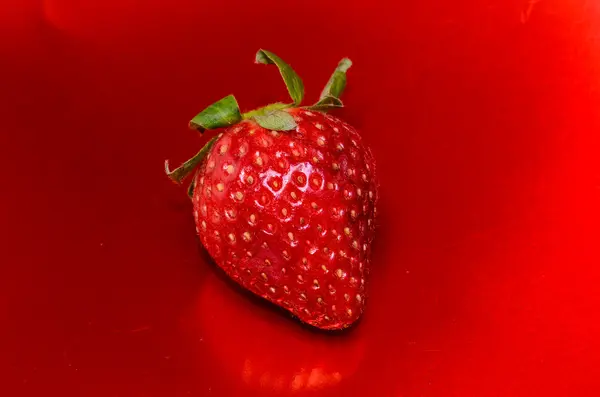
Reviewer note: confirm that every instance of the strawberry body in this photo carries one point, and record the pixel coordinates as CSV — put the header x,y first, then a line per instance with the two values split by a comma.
x,y
291,215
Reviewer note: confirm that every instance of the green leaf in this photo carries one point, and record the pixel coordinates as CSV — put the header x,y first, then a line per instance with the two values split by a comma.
x,y
181,172
192,186
276,120
337,82
223,113
327,103
292,80
264,109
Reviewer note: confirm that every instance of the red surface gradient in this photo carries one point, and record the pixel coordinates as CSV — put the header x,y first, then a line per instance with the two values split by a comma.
x,y
483,116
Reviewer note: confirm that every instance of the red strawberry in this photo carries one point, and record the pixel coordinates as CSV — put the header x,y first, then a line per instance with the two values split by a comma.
x,y
284,202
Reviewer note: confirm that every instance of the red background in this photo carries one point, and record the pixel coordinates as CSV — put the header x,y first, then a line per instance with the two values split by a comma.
x,y
483,117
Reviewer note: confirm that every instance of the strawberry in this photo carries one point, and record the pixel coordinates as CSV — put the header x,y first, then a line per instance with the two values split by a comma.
x,y
285,201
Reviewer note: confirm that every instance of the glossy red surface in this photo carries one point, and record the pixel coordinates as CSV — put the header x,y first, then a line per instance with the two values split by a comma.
x,y
484,120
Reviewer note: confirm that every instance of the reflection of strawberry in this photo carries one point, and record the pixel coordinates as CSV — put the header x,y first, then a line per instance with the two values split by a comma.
x,y
284,201
308,362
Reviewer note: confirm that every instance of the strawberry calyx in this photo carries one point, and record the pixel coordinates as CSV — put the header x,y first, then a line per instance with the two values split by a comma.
x,y
330,96
223,113
293,82
260,111
226,112
179,174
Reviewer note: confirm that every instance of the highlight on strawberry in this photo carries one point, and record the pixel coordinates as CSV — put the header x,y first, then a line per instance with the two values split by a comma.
x,y
285,199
